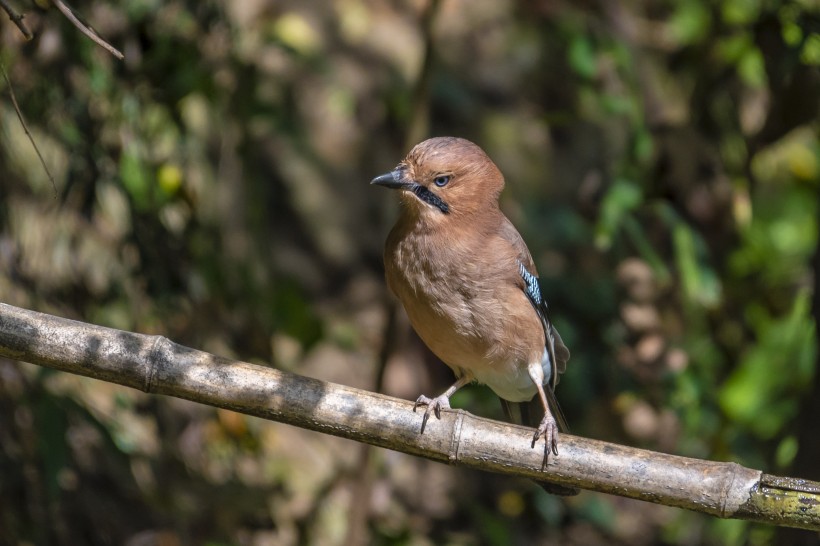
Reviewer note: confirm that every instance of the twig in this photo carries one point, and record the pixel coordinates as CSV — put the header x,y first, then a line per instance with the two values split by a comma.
x,y
25,127
17,19
87,30
156,365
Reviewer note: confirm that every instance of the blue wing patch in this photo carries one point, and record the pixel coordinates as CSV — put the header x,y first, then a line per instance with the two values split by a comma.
x,y
533,290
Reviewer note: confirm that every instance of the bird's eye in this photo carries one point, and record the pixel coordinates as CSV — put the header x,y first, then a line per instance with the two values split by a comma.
x,y
442,180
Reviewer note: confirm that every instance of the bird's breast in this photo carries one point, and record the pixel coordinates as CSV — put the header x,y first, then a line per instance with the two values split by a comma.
x,y
464,309
439,291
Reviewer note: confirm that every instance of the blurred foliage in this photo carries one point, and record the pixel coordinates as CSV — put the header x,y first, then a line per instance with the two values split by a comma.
x,y
663,163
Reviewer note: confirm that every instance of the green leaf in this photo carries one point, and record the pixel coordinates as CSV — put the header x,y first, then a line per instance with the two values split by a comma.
x,y
621,198
581,56
700,283
690,22
740,12
810,55
759,394
751,68
135,179
646,250
732,48
786,451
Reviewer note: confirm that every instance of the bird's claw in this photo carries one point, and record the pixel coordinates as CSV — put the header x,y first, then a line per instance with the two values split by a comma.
x,y
434,405
549,430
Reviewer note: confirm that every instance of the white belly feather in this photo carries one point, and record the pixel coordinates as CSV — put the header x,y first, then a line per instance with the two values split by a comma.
x,y
512,382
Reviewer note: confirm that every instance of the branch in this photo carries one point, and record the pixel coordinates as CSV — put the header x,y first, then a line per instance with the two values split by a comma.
x,y
87,30
17,19
156,365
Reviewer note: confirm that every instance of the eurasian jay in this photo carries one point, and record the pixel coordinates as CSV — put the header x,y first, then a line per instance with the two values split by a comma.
x,y
468,283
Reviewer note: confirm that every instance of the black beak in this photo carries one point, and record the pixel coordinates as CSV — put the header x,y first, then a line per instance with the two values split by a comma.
x,y
390,180
396,181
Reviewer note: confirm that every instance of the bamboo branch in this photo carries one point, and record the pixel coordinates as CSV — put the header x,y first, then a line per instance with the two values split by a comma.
x,y
156,365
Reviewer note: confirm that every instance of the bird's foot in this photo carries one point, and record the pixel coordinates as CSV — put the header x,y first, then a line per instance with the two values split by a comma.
x,y
434,405
549,430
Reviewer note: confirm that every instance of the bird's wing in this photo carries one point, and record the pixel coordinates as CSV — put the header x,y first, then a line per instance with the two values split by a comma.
x,y
558,352
511,235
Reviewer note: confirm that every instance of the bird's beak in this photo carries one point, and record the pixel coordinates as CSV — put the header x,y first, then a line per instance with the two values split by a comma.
x,y
392,180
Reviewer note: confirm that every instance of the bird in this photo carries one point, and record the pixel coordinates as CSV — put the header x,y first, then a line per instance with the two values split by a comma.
x,y
469,286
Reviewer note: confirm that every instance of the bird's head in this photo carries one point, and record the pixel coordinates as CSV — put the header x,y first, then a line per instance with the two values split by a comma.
x,y
445,177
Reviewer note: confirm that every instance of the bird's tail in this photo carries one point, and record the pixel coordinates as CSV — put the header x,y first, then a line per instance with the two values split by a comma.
x,y
529,414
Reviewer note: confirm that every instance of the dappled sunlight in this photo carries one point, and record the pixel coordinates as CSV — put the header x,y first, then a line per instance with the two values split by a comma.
x,y
662,163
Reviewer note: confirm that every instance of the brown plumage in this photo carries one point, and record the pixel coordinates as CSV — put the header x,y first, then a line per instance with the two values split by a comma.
x,y
467,280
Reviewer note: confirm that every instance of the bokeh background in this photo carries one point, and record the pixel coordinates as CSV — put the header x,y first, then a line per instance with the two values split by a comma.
x,y
662,162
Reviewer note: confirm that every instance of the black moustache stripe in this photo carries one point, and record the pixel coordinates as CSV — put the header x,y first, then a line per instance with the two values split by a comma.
x,y
431,198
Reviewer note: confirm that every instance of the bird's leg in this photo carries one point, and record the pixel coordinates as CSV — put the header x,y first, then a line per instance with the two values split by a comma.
x,y
435,405
548,427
